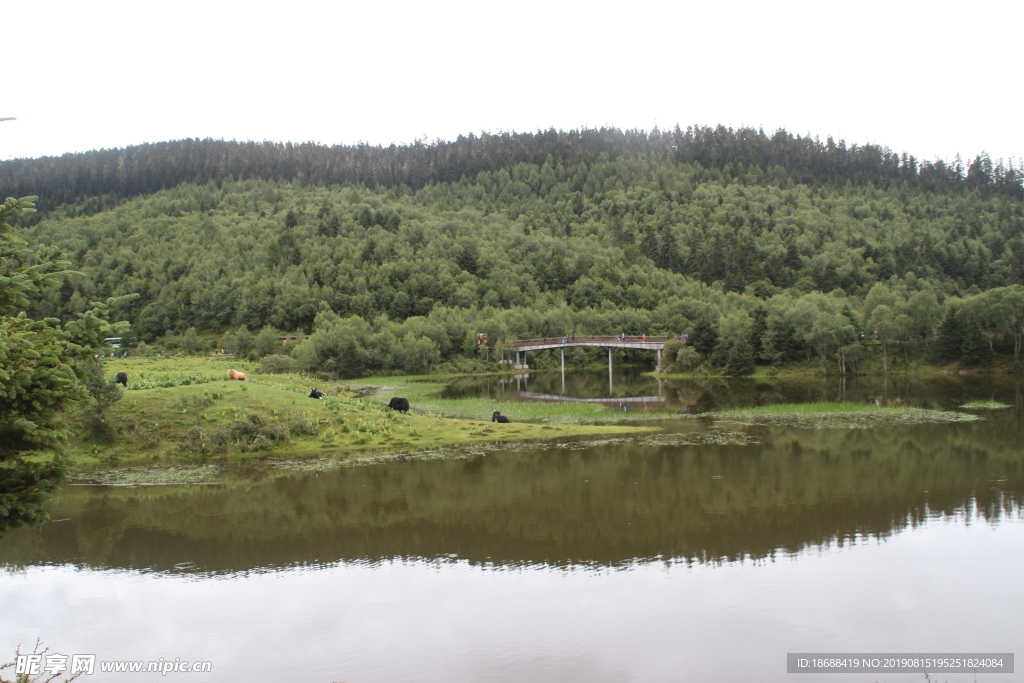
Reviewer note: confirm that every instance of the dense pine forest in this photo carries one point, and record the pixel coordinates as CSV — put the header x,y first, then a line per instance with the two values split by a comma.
x,y
768,248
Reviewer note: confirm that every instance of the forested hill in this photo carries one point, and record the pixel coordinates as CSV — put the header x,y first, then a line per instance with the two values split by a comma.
x,y
98,179
795,247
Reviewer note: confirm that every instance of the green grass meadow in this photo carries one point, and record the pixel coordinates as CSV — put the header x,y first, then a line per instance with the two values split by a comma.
x,y
272,414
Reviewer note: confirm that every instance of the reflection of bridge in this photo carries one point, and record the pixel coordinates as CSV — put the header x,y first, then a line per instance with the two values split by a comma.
x,y
523,392
532,396
655,344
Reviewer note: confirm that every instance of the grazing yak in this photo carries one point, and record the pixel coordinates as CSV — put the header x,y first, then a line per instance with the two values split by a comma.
x,y
235,374
399,404
498,417
315,393
122,379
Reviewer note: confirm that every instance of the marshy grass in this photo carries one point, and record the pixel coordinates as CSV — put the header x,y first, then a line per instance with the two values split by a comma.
x,y
836,415
985,405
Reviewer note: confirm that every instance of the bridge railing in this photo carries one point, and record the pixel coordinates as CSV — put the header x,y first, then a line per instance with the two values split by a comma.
x,y
576,339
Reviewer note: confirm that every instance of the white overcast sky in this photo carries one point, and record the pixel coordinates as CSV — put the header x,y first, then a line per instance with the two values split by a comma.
x,y
932,78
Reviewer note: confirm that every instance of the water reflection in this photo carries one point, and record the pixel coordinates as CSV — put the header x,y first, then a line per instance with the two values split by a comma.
x,y
633,387
705,552
592,504
629,384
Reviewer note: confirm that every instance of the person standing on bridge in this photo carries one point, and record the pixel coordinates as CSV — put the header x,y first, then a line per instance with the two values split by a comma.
x,y
643,337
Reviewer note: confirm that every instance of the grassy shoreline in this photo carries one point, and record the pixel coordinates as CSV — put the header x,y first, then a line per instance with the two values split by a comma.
x,y
872,368
422,391
832,415
272,415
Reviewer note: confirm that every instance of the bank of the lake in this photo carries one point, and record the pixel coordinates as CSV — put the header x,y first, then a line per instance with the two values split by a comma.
x,y
809,370
186,410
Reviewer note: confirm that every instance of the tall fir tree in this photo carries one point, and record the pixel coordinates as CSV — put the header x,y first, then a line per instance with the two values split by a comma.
x,y
704,338
38,364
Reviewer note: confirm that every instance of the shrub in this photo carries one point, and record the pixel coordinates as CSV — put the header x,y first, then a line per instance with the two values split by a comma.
x,y
260,443
304,424
277,364
276,432
220,440
104,393
688,359
247,429
194,437
684,359
100,431
669,353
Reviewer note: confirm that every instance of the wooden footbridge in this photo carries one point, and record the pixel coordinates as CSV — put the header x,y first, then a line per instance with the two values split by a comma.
x,y
655,344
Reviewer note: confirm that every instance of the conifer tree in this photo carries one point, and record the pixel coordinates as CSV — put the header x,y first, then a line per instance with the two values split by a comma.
x,y
740,359
758,330
951,337
704,338
974,350
38,362
668,254
649,245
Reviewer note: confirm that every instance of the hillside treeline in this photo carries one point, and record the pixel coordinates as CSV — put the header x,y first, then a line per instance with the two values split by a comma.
x,y
397,279
98,180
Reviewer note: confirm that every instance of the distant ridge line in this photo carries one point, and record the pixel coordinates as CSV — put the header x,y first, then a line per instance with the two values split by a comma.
x,y
115,174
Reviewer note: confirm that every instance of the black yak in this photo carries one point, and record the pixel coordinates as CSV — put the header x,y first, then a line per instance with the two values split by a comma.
x,y
315,393
498,417
399,404
122,379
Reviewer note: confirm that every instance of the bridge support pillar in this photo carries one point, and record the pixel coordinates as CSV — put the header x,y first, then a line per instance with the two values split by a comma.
x,y
610,372
658,367
563,370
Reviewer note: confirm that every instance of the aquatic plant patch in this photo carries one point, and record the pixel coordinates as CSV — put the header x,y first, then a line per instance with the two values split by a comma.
x,y
985,405
304,465
710,437
835,415
485,448
148,475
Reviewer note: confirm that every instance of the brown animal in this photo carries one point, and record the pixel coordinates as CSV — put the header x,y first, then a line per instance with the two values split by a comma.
x,y
234,374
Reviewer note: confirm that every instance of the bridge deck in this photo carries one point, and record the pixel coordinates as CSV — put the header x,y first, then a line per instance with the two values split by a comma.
x,y
632,342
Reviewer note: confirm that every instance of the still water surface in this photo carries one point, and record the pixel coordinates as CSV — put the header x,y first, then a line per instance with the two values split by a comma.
x,y
639,559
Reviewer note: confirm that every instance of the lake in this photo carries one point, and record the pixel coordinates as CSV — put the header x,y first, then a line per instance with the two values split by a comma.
x,y
705,552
